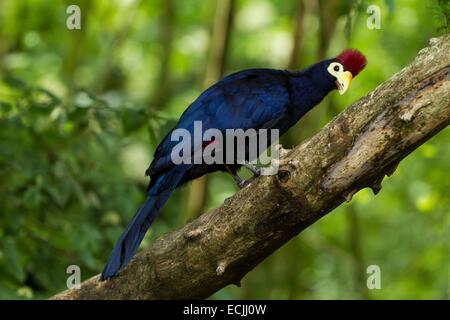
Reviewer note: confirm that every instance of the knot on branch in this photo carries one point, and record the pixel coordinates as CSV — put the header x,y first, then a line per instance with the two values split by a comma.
x,y
283,176
193,234
220,270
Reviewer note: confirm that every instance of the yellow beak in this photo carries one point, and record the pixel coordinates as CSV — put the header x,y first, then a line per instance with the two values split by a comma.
x,y
343,81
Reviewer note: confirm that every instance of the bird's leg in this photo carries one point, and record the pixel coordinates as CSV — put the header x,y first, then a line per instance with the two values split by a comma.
x,y
239,181
253,168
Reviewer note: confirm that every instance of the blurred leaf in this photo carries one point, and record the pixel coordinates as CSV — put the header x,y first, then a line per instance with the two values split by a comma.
x,y
14,82
12,261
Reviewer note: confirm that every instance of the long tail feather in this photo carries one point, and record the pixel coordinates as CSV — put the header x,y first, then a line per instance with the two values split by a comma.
x,y
128,243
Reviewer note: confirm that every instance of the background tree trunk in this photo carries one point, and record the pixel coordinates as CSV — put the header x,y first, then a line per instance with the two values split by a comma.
x,y
166,35
297,36
214,71
356,150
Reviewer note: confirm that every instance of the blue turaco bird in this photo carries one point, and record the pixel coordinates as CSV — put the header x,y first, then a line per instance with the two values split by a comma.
x,y
255,98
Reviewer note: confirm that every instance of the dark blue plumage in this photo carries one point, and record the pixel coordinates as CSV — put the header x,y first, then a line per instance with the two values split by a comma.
x,y
256,98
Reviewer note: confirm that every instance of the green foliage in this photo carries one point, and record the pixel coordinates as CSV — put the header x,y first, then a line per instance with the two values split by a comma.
x,y
80,114
64,200
443,15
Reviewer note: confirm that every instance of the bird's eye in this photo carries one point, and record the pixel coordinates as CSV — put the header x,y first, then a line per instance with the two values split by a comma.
x,y
334,68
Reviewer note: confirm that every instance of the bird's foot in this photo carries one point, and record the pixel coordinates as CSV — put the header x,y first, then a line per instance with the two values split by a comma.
x,y
282,152
243,183
280,162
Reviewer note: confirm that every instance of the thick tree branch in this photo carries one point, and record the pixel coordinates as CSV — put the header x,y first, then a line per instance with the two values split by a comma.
x,y
356,150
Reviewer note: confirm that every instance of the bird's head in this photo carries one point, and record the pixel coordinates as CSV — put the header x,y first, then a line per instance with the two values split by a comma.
x,y
344,67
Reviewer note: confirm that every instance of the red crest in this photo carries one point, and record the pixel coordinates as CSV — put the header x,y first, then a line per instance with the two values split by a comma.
x,y
352,60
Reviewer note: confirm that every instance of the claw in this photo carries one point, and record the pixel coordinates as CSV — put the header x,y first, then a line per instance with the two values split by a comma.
x,y
282,152
241,182
245,183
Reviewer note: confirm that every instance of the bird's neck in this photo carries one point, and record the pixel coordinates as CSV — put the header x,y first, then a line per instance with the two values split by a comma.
x,y
308,88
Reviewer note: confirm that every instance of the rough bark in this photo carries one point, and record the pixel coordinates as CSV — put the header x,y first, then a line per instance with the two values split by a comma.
x,y
356,150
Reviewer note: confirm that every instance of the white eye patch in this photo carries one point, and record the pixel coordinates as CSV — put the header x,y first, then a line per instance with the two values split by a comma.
x,y
335,68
